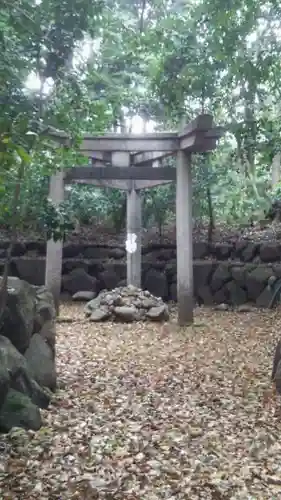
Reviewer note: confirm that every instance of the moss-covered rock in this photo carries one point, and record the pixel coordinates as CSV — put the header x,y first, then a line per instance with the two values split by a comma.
x,y
18,411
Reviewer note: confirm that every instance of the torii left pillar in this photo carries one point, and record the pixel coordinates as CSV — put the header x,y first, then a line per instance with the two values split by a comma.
x,y
54,248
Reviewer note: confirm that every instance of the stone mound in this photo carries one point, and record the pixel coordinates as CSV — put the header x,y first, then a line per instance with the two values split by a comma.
x,y
126,304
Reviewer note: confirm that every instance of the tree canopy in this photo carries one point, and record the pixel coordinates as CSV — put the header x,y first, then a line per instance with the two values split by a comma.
x,y
94,66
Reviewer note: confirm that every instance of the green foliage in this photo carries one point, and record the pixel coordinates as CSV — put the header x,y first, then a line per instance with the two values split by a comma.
x,y
85,203
55,221
89,205
40,38
158,206
116,208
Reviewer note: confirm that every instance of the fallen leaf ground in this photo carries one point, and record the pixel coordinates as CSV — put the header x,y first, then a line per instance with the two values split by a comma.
x,y
149,412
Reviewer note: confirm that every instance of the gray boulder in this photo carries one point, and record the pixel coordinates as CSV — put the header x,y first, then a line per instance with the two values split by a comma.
x,y
10,358
270,252
265,298
200,250
78,280
27,353
93,305
117,253
249,252
18,318
204,295
40,396
109,279
4,383
239,274
156,283
257,279
220,277
18,411
44,308
32,270
202,272
236,293
48,334
40,362
14,374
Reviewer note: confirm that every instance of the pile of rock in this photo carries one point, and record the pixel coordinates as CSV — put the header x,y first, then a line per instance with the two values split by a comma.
x,y
27,355
126,304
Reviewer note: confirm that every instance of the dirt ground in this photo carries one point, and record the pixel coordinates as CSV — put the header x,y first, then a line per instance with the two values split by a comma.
x,y
149,411
100,234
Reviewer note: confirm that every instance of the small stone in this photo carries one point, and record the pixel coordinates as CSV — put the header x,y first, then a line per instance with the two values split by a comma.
x,y
244,308
222,307
148,303
3,467
118,301
19,436
84,295
137,304
154,464
99,315
159,313
126,313
98,458
132,290
195,432
92,305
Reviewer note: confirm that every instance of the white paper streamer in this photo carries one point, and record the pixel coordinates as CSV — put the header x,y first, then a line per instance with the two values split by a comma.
x,y
131,243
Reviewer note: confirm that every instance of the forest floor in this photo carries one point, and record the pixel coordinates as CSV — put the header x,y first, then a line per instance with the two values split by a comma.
x,y
149,411
100,234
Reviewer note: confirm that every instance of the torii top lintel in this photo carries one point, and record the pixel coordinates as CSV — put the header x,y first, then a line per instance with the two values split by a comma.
x,y
200,135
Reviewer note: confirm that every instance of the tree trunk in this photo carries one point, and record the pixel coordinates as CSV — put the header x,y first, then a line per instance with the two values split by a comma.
x,y
276,170
4,284
211,226
249,95
240,159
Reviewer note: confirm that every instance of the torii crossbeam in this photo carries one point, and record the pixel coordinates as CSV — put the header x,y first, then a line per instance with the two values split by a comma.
x,y
132,162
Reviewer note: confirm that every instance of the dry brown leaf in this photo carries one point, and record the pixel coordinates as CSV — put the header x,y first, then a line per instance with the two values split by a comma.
x,y
147,413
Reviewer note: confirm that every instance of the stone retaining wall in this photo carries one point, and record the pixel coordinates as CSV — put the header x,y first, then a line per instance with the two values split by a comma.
x,y
242,250
235,273
214,281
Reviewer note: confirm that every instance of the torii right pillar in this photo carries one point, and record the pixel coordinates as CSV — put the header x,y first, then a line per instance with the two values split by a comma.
x,y
184,239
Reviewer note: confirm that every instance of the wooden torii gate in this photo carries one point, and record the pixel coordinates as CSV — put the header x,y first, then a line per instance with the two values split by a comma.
x,y
134,165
